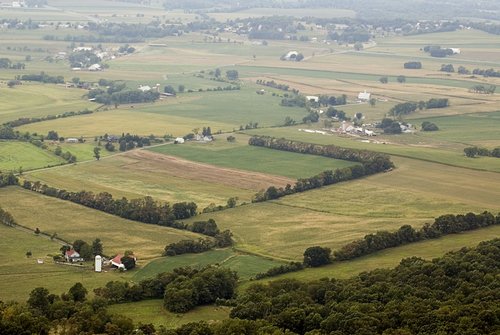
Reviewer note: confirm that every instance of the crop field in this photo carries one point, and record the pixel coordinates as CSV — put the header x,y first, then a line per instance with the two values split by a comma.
x,y
71,222
141,173
243,157
16,155
414,193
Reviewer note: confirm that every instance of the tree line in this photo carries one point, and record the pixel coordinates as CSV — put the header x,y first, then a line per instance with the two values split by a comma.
x,y
28,120
371,163
220,239
476,151
406,108
42,77
146,210
181,290
6,218
273,84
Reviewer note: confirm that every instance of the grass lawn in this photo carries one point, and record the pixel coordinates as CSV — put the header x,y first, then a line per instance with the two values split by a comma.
x,y
71,222
245,157
14,155
152,311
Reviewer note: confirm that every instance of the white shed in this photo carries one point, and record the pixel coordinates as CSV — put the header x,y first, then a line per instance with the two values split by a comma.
x,y
179,140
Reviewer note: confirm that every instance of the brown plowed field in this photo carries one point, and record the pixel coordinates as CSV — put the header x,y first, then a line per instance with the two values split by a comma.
x,y
151,161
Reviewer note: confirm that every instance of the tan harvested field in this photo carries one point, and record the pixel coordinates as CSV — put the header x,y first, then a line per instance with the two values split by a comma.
x,y
144,173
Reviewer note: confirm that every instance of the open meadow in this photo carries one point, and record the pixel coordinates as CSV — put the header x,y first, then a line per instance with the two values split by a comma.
x,y
215,60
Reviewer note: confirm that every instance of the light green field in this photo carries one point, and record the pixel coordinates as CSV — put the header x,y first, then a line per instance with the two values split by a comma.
x,y
414,193
36,100
247,266
152,311
71,222
222,111
14,155
299,13
245,157
411,146
82,151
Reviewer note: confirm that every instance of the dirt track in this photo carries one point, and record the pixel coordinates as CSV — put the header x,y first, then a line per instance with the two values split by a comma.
x,y
186,169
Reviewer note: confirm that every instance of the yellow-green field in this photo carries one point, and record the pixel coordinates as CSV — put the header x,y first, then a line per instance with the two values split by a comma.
x,y
25,156
72,222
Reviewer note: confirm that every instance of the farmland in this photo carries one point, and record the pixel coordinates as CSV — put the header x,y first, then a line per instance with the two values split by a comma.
x,y
217,62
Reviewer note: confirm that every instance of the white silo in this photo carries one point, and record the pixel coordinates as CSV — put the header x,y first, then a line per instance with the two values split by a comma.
x,y
98,263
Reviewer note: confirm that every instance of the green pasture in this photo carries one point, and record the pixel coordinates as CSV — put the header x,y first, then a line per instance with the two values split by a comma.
x,y
71,222
38,100
16,155
131,177
469,129
247,266
410,146
82,151
414,193
390,258
251,158
152,311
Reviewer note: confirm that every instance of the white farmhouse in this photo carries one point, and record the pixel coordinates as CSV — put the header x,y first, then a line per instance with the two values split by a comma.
x,y
364,96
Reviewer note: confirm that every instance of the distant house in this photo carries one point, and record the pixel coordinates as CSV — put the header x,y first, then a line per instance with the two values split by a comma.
x,y
144,88
71,140
95,67
456,51
291,55
312,98
179,140
364,96
72,256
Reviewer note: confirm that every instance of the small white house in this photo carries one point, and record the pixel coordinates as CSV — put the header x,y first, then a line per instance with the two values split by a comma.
x,y
179,140
291,55
456,51
364,96
312,98
71,140
144,88
95,67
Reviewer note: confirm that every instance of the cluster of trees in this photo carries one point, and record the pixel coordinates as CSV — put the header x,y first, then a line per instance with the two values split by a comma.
x,y
126,49
483,89
371,163
486,73
6,218
273,84
221,239
6,63
437,51
455,293
145,210
27,120
42,77
447,68
83,58
327,100
406,108
429,126
281,269
335,113
295,100
443,225
126,142
122,97
413,65
134,32
390,126
7,179
476,151
350,36
312,117
67,156
46,313
250,125
181,290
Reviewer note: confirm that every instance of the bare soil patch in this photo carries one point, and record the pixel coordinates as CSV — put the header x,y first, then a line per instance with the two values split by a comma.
x,y
182,168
